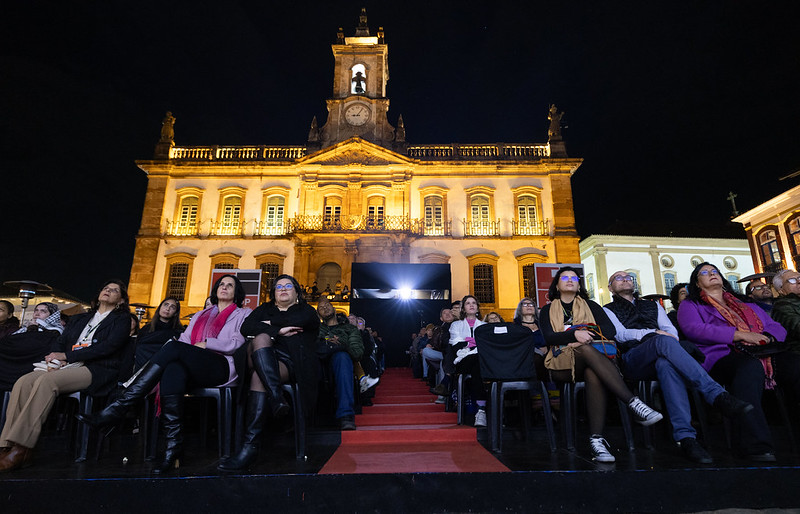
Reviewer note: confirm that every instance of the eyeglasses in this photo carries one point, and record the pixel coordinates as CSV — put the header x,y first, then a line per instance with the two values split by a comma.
x,y
623,278
567,278
759,288
527,304
705,272
793,280
281,287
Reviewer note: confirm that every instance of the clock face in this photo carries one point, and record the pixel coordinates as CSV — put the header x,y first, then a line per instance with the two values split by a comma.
x,y
357,114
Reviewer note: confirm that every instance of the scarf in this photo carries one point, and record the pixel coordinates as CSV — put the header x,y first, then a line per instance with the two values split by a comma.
x,y
581,314
744,319
202,329
51,322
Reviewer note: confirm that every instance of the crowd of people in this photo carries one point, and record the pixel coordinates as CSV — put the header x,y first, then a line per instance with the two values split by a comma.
x,y
714,341
104,353
728,347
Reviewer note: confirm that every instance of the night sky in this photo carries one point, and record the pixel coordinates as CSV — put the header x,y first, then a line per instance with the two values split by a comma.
x,y
670,106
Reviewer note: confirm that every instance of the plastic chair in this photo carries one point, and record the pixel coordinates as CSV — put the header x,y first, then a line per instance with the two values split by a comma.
x,y
293,390
506,355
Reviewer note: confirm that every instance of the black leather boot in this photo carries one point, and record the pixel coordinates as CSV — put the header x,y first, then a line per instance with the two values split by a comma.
x,y
172,419
266,365
257,404
139,388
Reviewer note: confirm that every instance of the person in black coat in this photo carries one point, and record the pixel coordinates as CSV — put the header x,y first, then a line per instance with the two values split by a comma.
x,y
284,348
22,349
85,358
165,325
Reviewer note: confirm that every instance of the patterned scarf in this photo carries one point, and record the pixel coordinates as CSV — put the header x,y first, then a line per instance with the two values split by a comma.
x,y
581,313
744,319
51,322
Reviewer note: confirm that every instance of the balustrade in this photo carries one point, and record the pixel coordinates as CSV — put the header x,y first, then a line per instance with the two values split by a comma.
x,y
482,228
477,152
530,228
237,153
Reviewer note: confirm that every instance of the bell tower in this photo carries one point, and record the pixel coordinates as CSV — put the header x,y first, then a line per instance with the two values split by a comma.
x,y
358,106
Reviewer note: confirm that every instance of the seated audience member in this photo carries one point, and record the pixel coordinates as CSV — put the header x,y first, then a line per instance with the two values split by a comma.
x,y
678,293
433,351
422,343
366,370
462,339
84,358
8,322
284,347
761,293
339,347
786,307
202,357
449,352
714,318
493,317
21,350
650,350
165,325
525,315
380,351
567,328
442,335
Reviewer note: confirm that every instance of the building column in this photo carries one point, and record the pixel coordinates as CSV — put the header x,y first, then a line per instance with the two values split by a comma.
x,y
654,255
601,268
145,255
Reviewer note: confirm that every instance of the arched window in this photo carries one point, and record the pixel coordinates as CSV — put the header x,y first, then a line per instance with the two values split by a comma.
x,y
669,281
590,285
733,279
434,216
793,229
358,81
273,216
768,242
187,216
231,215
483,283
177,280
328,275
333,212
528,280
480,222
270,271
375,218
526,213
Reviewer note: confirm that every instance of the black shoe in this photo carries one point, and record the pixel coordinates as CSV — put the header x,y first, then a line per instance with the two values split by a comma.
x,y
439,390
694,452
256,414
347,423
172,419
762,457
115,412
731,406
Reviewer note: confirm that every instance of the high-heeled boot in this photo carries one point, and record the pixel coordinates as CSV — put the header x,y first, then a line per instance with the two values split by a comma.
x,y
266,365
257,402
172,419
139,388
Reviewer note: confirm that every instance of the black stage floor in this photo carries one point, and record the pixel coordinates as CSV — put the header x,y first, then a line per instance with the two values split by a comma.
x,y
658,480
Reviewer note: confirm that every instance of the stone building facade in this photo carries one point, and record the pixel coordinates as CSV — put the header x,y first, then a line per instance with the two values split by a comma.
x,y
356,191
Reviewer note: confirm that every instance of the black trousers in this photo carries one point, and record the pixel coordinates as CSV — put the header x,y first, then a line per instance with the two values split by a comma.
x,y
744,376
186,367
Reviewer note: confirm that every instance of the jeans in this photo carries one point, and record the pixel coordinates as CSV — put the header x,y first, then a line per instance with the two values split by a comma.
x,y
431,357
663,357
342,368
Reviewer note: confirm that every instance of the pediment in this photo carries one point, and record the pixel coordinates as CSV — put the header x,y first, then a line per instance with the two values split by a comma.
x,y
356,151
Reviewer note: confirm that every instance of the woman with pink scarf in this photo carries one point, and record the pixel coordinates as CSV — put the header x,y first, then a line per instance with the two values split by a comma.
x,y
202,357
715,319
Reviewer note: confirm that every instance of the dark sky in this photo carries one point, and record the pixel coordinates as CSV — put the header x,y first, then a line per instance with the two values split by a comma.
x,y
671,104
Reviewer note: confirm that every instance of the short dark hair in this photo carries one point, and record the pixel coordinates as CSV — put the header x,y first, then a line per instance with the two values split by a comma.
x,y
9,306
238,292
553,292
675,293
300,293
123,291
457,302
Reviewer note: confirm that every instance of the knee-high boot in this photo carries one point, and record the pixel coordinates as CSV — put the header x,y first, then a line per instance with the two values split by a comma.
x,y
266,366
144,383
172,416
256,412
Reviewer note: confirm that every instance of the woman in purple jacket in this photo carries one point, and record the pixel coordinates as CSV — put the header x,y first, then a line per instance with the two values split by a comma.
x,y
714,318
202,357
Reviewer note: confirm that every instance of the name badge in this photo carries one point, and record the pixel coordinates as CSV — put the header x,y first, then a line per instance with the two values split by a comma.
x,y
501,330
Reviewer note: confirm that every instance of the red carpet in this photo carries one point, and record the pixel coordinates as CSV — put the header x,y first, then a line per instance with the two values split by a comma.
x,y
405,432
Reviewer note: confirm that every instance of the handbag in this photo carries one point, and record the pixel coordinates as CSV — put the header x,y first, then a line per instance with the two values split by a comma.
x,y
759,351
605,346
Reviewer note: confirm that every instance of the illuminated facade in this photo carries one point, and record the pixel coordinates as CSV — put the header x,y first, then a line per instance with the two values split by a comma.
x,y
773,231
355,192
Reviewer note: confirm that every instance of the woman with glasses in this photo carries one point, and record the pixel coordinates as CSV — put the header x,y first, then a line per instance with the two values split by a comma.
x,y
201,357
715,319
786,309
284,347
525,315
86,357
571,322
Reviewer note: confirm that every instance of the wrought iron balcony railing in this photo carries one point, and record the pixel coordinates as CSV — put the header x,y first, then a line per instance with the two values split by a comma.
x,y
481,228
182,229
530,228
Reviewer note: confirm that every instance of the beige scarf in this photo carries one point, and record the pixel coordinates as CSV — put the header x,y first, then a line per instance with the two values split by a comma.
x,y
563,357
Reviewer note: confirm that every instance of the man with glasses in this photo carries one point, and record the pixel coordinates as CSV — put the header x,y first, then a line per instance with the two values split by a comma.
x,y
649,348
761,293
786,309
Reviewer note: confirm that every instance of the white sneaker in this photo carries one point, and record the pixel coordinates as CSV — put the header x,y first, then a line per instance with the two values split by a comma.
x,y
440,400
642,413
366,382
601,452
480,418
